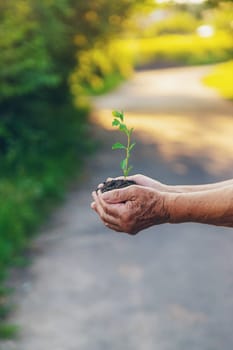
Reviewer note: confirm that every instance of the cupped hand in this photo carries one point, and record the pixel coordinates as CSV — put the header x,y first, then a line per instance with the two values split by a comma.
x,y
131,209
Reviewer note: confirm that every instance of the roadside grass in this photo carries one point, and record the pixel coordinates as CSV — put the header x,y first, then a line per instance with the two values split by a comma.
x,y
35,172
9,331
221,79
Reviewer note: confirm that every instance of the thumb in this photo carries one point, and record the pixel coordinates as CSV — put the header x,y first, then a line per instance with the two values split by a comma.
x,y
117,196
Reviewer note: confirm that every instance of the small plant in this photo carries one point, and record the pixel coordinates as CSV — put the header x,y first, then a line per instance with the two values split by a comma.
x,y
119,121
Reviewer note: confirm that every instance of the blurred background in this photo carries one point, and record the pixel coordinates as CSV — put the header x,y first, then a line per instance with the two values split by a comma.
x,y
64,65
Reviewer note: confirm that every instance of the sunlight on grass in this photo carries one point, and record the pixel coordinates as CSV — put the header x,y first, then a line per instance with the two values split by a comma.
x,y
221,78
209,141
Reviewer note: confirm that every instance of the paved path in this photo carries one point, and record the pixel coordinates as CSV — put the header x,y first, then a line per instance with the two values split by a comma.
x,y
168,288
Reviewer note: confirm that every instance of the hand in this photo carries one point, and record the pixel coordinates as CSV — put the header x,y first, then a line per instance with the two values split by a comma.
x,y
131,209
143,180
146,181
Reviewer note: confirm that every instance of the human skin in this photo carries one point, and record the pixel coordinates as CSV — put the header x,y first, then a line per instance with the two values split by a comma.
x,y
150,202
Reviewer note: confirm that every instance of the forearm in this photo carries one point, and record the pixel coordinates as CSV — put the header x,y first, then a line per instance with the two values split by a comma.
x,y
210,207
198,188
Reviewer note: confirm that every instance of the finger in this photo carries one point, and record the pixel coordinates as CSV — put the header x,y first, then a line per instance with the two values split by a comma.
x,y
120,195
100,185
103,211
109,179
93,205
115,228
112,210
115,178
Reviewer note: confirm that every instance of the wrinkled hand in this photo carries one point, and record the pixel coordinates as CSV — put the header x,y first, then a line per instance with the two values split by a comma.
x,y
131,209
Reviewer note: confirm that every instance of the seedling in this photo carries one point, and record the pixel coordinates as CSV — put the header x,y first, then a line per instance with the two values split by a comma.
x,y
119,121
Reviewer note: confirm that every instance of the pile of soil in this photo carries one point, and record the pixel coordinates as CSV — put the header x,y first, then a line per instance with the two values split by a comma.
x,y
116,184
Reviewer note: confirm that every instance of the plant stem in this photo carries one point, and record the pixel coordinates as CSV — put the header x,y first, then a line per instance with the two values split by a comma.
x,y
127,155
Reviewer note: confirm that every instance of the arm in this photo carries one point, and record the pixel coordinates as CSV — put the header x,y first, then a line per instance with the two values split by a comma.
x,y
135,208
213,206
143,180
198,188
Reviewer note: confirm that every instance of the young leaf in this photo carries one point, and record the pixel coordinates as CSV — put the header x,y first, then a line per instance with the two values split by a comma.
x,y
132,146
123,128
123,164
118,145
115,122
131,131
119,115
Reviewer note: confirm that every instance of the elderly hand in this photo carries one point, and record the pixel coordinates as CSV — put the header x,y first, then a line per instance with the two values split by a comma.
x,y
131,209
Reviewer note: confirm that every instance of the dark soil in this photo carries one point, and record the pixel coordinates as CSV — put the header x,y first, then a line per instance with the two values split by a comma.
x,y
116,184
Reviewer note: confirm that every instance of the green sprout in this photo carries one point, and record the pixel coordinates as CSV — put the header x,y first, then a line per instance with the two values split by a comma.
x,y
118,121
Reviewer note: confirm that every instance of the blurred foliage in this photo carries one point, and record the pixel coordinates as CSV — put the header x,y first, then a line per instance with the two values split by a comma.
x,y
102,68
174,22
221,17
221,79
53,52
8,331
40,39
25,64
216,3
181,49
185,34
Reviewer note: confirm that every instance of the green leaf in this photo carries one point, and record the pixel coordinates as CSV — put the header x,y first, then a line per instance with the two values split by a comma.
x,y
119,115
131,131
123,128
123,164
115,122
118,145
132,146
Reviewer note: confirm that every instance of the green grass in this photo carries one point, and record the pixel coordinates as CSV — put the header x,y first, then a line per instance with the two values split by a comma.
x,y
8,331
221,79
42,154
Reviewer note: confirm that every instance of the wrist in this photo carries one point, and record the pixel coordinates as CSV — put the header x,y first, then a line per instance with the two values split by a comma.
x,y
161,207
176,207
186,207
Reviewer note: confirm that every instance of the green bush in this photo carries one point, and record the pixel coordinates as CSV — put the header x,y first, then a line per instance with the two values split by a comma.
x,y
39,156
100,69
